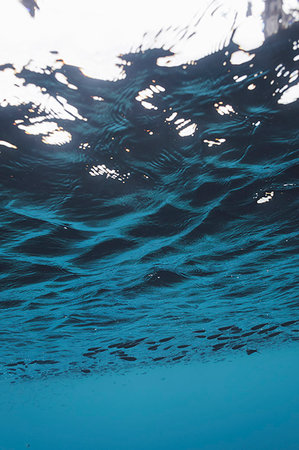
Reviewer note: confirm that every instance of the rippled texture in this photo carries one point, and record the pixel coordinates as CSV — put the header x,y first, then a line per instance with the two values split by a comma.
x,y
133,241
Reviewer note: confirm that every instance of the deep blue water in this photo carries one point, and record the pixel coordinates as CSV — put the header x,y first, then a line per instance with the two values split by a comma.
x,y
134,245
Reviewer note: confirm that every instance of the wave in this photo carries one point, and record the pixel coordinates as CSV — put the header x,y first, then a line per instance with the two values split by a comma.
x,y
153,218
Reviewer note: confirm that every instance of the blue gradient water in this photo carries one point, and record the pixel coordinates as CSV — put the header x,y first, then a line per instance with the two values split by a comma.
x,y
245,403
164,232
183,239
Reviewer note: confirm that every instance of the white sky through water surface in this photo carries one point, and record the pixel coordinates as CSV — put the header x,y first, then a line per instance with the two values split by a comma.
x,y
92,34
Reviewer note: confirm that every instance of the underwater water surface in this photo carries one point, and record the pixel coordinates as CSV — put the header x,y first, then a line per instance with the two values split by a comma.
x,y
150,219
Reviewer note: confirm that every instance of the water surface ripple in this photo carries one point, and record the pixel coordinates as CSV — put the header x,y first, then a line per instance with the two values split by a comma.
x,y
160,222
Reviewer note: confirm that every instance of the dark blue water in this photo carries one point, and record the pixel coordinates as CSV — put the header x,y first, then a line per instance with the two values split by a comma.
x,y
129,242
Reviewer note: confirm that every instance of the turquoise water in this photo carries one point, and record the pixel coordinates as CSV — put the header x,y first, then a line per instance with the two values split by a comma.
x,y
136,245
244,403
149,237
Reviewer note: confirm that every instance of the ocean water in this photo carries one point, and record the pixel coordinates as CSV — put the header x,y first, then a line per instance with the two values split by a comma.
x,y
148,227
152,219
241,404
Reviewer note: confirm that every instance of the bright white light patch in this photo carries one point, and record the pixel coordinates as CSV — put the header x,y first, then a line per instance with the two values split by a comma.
x,y
216,142
182,123
239,79
290,95
39,128
268,196
224,109
249,34
149,93
63,79
57,137
188,131
177,122
148,105
293,76
7,144
102,169
89,36
240,57
173,116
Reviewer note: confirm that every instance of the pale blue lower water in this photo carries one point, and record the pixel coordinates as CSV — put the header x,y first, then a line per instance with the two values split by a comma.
x,y
246,403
